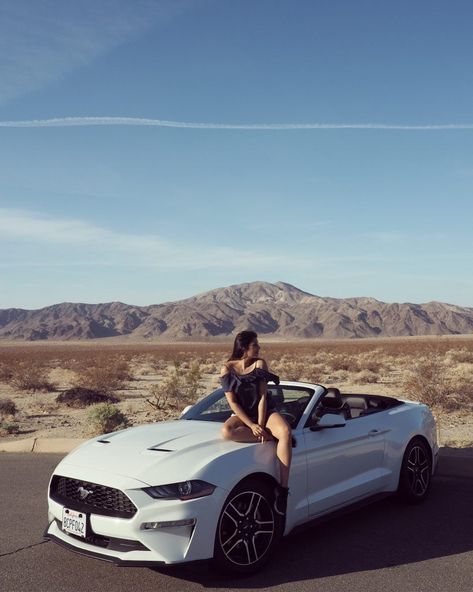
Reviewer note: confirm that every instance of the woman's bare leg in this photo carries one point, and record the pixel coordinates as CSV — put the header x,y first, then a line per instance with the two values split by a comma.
x,y
281,430
234,429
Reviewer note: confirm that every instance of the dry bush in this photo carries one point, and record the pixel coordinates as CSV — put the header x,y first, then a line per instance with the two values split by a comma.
x,y
461,380
374,361
159,395
106,417
365,377
210,367
122,369
288,369
158,365
314,373
79,397
31,376
459,356
7,408
427,381
104,377
342,362
336,377
178,389
5,372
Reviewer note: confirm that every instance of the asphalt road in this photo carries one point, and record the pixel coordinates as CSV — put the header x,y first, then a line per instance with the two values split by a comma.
x,y
384,547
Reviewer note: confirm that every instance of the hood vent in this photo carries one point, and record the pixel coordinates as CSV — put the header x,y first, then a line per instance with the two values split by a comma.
x,y
157,449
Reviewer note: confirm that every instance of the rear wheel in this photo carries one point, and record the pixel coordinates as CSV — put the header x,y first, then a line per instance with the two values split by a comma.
x,y
416,472
247,530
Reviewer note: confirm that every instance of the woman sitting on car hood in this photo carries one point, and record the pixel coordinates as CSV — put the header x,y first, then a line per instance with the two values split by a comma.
x,y
244,378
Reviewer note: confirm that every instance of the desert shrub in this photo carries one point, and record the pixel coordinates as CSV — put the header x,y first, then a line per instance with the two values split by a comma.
x,y
210,367
7,407
371,361
462,355
122,369
461,380
80,397
289,369
106,417
365,377
31,376
158,396
428,382
342,362
192,381
104,377
8,428
158,365
179,388
5,372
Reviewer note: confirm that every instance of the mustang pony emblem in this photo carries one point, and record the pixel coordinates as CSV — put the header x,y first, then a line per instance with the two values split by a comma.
x,y
83,492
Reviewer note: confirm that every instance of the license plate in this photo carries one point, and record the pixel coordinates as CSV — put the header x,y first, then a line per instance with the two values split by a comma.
x,y
74,522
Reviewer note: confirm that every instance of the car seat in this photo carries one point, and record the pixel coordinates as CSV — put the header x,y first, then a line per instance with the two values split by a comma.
x,y
332,402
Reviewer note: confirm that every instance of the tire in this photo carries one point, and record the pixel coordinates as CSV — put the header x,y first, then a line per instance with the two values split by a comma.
x,y
416,472
247,530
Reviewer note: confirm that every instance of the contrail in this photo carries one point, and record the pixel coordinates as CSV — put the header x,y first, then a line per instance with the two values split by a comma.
x,y
137,121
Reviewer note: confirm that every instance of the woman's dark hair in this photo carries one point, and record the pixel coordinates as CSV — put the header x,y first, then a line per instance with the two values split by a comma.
x,y
242,343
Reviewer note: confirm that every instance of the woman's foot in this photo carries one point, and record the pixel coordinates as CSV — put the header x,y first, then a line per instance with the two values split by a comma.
x,y
280,500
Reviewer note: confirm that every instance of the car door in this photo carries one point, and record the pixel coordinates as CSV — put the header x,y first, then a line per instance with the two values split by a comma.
x,y
344,464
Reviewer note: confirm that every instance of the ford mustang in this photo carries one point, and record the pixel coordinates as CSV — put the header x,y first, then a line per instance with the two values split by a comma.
x,y
175,491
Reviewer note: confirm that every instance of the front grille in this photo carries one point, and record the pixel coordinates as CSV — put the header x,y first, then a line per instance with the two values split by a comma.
x,y
103,500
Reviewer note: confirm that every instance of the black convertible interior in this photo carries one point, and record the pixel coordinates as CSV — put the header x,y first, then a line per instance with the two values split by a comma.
x,y
291,402
352,406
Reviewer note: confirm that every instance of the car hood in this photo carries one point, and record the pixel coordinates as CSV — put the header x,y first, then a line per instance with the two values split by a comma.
x,y
165,452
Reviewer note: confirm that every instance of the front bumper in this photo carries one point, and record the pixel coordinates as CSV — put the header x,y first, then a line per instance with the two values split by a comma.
x,y
123,541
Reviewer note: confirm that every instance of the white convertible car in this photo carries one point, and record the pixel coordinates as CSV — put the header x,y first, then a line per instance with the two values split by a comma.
x,y
175,492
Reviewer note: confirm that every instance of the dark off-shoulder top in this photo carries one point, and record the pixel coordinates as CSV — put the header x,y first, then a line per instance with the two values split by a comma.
x,y
246,389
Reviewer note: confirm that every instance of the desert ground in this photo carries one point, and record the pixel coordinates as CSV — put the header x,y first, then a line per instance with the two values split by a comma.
x,y
118,383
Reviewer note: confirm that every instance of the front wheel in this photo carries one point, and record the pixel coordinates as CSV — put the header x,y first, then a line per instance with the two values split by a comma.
x,y
416,472
247,529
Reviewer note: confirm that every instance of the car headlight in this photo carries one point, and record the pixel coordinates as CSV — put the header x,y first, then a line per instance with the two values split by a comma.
x,y
184,491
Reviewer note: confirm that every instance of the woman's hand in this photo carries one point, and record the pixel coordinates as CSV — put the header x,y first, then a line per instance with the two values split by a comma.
x,y
260,433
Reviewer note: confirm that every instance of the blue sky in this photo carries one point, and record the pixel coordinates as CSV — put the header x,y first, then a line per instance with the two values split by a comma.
x,y
146,214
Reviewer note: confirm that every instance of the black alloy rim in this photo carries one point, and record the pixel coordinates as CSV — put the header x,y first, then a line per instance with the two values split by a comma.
x,y
246,528
418,470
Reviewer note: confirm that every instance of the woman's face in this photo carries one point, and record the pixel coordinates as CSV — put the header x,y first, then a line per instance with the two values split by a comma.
x,y
253,349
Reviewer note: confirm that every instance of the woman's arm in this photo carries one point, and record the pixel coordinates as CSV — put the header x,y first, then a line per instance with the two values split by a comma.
x,y
262,406
257,430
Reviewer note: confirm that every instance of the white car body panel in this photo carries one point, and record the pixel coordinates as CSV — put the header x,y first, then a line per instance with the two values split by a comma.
x,y
331,468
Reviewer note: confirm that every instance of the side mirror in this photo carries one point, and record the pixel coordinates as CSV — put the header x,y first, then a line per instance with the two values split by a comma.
x,y
185,410
329,420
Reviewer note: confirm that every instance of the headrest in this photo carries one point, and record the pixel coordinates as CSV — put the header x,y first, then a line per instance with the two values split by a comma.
x,y
332,400
277,395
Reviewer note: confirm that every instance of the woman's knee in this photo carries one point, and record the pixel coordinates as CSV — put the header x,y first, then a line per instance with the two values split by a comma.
x,y
227,432
283,432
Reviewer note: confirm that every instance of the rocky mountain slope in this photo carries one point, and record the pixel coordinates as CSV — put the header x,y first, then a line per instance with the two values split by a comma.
x,y
276,309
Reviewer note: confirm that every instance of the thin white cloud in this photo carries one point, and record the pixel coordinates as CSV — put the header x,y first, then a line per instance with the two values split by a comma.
x,y
108,247
139,121
41,42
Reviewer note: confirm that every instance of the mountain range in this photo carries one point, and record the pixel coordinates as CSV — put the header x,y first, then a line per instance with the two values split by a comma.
x,y
280,310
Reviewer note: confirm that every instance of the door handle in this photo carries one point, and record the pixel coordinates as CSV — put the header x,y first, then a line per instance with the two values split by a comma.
x,y
373,432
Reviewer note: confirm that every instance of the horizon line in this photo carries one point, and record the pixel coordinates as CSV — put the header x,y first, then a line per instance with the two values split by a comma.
x,y
145,122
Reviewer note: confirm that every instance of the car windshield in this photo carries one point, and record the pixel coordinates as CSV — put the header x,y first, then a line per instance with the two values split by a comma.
x,y
290,401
